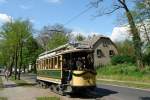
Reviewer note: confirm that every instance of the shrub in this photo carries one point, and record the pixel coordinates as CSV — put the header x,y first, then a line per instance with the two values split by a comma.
x,y
120,59
146,59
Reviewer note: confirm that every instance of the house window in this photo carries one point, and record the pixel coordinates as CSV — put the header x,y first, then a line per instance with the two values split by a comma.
x,y
99,53
105,44
111,53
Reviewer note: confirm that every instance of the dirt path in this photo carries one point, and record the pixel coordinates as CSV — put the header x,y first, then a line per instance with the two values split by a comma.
x,y
13,92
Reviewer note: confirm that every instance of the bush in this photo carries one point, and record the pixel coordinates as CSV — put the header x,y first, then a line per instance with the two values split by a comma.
x,y
120,59
146,59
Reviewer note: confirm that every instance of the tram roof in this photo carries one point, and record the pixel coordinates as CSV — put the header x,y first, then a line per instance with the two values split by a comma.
x,y
53,54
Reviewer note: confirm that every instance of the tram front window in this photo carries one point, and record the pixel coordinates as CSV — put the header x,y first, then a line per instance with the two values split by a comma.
x,y
81,61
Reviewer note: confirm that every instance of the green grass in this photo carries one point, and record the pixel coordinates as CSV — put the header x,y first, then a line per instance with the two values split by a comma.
x,y
124,72
129,74
47,98
20,82
3,98
128,84
1,84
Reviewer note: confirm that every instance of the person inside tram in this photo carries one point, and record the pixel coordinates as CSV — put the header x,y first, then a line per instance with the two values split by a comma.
x,y
79,64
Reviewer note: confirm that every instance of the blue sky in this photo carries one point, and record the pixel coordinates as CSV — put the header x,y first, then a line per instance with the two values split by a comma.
x,y
49,12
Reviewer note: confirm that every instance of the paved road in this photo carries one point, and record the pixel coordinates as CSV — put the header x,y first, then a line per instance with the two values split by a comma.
x,y
108,92
123,93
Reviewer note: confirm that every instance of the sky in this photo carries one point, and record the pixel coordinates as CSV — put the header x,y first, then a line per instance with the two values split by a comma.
x,y
50,12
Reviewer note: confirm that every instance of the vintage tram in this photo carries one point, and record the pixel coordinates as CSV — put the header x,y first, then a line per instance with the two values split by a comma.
x,y
66,71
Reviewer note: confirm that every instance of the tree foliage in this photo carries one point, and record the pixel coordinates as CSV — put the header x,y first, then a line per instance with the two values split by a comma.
x,y
122,4
48,32
18,46
79,37
57,39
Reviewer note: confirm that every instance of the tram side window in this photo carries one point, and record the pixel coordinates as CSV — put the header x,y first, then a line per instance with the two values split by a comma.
x,y
51,62
46,63
43,64
40,64
59,62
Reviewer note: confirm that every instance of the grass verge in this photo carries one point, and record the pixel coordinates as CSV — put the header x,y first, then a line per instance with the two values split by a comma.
x,y
3,98
124,83
47,98
1,84
20,82
124,75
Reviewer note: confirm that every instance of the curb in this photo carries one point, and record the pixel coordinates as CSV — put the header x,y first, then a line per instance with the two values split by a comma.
x,y
125,86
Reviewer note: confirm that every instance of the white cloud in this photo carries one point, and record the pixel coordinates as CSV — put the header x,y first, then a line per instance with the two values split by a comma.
x,y
54,1
78,30
120,34
5,18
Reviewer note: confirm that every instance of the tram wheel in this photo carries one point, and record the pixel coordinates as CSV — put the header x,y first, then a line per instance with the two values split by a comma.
x,y
44,85
52,88
60,90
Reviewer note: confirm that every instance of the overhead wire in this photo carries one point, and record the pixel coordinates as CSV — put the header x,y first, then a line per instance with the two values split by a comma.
x,y
78,15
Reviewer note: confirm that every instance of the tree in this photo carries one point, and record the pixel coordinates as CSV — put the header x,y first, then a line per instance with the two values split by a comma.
x,y
13,35
31,50
48,31
125,48
121,4
79,37
141,15
57,39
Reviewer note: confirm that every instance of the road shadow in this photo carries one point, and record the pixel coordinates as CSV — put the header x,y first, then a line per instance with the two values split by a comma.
x,y
97,93
9,85
19,84
144,98
26,84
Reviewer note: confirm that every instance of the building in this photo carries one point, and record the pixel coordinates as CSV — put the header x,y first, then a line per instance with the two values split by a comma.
x,y
103,48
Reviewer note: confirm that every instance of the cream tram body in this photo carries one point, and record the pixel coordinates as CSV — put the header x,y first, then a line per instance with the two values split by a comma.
x,y
59,70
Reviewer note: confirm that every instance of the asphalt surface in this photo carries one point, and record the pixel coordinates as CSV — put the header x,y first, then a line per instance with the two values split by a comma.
x,y
108,92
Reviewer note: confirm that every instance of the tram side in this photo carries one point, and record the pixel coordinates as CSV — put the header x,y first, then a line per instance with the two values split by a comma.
x,y
49,70
62,73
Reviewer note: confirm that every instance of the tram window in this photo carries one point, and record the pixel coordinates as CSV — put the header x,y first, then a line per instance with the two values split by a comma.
x,y
56,62
49,64
59,61
44,64
40,64
52,62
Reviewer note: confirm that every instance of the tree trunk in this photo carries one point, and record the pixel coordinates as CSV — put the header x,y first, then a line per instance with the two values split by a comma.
x,y
135,36
11,65
24,68
20,64
16,62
